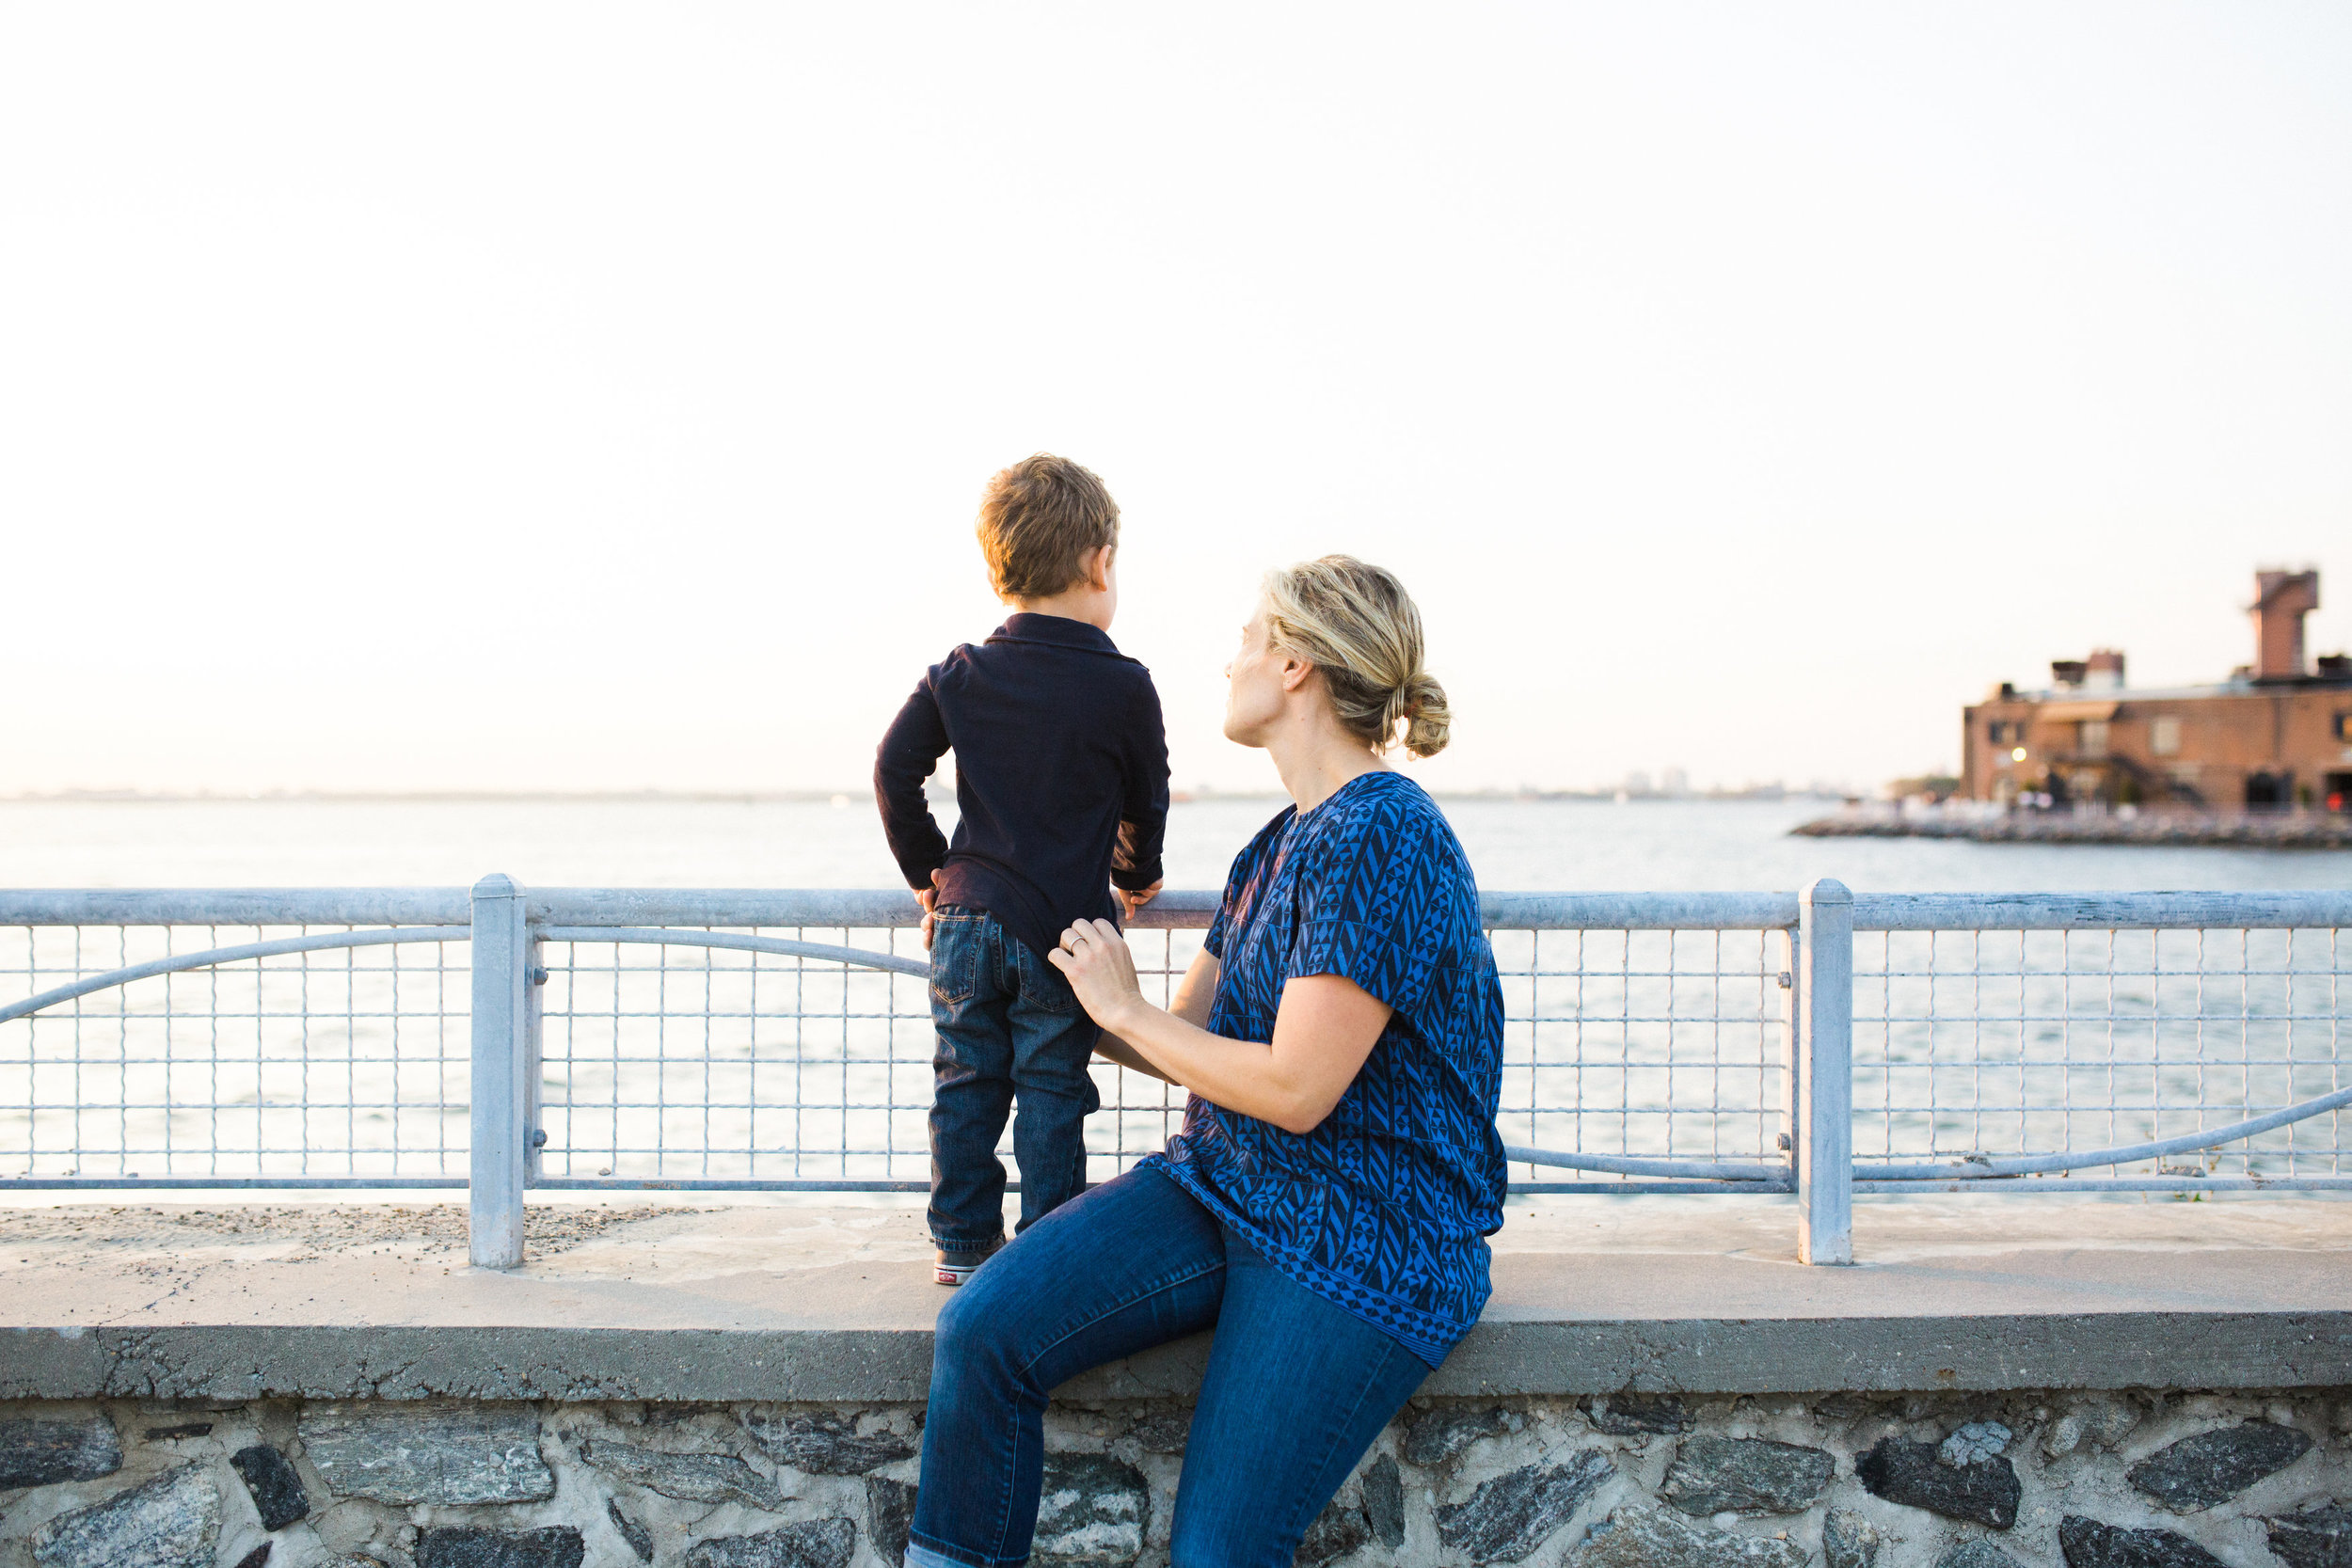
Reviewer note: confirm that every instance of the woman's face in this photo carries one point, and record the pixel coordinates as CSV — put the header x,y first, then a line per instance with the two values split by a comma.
x,y
1254,693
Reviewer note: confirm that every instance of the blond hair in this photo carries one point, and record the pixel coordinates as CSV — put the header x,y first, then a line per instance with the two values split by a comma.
x,y
1356,624
1039,519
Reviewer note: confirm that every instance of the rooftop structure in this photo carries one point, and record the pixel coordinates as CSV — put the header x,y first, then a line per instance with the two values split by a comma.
x,y
2277,735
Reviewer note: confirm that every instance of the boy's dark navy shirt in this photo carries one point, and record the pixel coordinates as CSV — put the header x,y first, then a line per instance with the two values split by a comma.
x,y
1061,777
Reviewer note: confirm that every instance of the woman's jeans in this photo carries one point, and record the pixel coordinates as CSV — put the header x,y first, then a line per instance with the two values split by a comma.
x,y
1007,1022
1296,1388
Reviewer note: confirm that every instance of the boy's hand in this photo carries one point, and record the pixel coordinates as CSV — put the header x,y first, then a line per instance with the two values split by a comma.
x,y
1136,899
926,896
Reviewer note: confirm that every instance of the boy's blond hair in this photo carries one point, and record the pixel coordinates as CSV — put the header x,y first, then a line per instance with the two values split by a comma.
x,y
1039,519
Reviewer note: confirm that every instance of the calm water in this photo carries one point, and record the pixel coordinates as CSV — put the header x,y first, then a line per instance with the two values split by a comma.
x,y
1512,844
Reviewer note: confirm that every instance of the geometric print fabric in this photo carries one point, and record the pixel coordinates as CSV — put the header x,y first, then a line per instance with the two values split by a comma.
x,y
1384,1208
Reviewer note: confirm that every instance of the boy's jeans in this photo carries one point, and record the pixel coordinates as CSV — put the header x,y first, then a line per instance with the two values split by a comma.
x,y
1009,1024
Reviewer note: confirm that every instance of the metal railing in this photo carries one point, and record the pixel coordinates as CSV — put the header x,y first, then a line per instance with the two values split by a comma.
x,y
1818,1043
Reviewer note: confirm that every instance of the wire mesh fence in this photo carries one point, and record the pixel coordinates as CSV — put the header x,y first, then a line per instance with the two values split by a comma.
x,y
1658,1044
683,1062
1970,1043
325,1038
322,1064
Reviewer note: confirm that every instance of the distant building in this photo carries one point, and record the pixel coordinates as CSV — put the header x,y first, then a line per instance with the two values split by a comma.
x,y
2274,736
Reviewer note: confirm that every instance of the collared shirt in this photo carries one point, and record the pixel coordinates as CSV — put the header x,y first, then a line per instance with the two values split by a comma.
x,y
1061,777
1384,1208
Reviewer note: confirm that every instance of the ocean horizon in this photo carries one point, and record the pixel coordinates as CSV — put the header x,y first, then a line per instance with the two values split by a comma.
x,y
834,840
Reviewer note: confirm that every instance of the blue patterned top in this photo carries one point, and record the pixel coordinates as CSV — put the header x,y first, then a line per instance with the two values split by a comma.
x,y
1383,1209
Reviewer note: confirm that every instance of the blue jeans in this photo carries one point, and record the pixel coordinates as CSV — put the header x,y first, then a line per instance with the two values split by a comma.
x,y
1008,1026
1296,1388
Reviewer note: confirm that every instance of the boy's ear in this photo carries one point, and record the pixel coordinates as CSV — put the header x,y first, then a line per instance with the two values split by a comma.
x,y
1099,568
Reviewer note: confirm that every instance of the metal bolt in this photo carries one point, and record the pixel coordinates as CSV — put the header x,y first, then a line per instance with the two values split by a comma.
x,y
1782,1143
538,1137
538,976
1787,980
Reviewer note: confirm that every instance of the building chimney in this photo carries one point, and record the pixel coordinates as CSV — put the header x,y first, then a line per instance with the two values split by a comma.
x,y
2282,599
2104,668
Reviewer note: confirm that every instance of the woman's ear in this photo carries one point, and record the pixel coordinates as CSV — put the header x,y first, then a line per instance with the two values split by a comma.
x,y
1295,671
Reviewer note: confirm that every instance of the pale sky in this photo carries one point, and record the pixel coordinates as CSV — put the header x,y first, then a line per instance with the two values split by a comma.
x,y
588,397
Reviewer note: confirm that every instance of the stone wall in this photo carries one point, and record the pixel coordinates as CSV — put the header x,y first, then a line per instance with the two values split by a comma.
x,y
2135,1479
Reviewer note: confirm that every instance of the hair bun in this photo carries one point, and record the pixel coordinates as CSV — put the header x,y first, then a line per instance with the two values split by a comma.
x,y
1429,722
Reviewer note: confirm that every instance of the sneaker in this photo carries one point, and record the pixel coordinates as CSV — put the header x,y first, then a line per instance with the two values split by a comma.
x,y
954,1268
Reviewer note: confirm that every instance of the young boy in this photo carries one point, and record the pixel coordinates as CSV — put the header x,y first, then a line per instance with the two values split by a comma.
x,y
1061,778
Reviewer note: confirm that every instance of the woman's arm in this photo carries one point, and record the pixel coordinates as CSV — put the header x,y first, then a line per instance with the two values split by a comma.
x,y
1193,993
1324,1028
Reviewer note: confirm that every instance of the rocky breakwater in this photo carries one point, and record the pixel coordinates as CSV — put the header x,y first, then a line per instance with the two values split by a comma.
x,y
2268,831
2140,1480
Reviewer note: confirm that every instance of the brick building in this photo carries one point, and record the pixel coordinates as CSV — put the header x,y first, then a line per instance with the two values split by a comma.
x,y
2276,735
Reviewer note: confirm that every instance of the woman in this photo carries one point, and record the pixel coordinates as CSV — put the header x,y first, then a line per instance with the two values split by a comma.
x,y
1326,1205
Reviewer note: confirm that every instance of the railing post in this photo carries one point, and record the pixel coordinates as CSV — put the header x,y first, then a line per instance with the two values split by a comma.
x,y
1792,1064
500,992
535,1056
1825,1073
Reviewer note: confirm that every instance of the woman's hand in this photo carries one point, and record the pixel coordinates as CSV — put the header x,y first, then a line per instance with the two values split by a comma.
x,y
929,898
1101,969
1323,1028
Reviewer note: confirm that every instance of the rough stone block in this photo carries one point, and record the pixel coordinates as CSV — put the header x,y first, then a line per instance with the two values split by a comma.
x,y
2088,1543
257,1557
1746,1475
1974,1443
171,1522
2102,1424
694,1477
1094,1511
1384,1501
1162,1430
1908,1473
2318,1537
470,1546
1511,1515
1336,1533
634,1531
1653,1537
1631,1414
2213,1467
1850,1541
40,1452
889,1515
811,1544
827,1445
277,1495
1436,1435
484,1454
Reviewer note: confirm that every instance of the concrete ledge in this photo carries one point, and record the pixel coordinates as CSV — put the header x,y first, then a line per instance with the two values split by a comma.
x,y
785,1303
2130,1350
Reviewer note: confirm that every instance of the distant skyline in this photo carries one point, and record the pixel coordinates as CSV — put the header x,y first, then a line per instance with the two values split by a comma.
x,y
525,398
